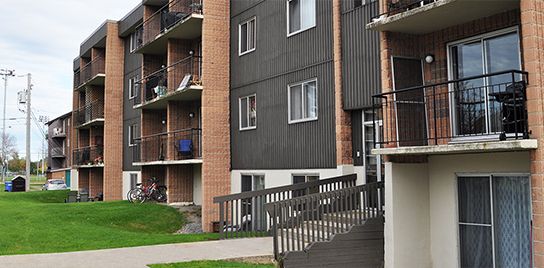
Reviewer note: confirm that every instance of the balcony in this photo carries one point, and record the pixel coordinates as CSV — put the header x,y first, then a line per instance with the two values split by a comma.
x,y
92,74
178,19
58,152
176,147
426,16
90,115
180,81
473,114
86,157
58,133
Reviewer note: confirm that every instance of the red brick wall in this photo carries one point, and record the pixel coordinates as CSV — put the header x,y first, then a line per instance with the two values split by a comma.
x,y
96,181
177,50
180,183
113,115
158,172
178,119
215,108
532,37
83,179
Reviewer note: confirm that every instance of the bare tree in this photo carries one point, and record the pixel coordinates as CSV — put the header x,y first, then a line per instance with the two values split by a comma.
x,y
8,149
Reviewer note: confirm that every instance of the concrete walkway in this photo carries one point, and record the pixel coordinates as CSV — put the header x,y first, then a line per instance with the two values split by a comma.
x,y
141,256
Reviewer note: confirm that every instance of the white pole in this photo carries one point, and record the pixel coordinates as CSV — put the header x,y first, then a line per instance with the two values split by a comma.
x,y
28,113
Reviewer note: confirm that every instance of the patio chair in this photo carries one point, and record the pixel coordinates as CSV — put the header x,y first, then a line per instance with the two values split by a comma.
x,y
185,148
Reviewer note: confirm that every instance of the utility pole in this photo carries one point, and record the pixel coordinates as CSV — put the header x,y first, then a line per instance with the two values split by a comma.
x,y
28,116
5,73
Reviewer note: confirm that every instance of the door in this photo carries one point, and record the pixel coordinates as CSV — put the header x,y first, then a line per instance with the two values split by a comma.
x,y
475,113
68,179
409,105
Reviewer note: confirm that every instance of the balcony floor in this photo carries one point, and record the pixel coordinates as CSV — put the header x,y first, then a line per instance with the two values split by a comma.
x,y
169,162
92,123
89,166
188,28
97,80
188,94
462,148
442,14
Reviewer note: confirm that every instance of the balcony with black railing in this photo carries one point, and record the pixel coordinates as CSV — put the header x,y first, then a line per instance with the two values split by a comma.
x,y
93,73
58,152
178,19
472,110
180,81
91,156
415,16
181,146
90,114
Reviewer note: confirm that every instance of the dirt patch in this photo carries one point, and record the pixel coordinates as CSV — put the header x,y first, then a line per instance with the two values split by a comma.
x,y
193,218
255,260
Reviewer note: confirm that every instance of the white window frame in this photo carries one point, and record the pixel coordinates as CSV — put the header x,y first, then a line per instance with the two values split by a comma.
x,y
240,52
492,225
252,175
294,121
289,34
130,135
132,86
248,112
305,175
133,42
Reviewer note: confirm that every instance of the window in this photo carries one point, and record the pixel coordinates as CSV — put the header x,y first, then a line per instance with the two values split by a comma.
x,y
303,101
301,15
357,3
132,134
252,183
303,178
494,220
374,166
248,112
134,41
474,112
133,86
247,39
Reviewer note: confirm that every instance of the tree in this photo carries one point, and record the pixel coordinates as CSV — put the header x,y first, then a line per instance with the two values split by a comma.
x,y
9,147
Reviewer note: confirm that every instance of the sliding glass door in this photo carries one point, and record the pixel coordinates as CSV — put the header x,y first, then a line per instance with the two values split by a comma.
x,y
494,221
475,113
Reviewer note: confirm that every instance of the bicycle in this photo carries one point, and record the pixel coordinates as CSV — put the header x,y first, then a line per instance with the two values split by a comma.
x,y
143,193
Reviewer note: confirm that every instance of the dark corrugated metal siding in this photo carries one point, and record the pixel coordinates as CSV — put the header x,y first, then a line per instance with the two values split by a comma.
x,y
361,56
278,61
97,37
133,65
127,24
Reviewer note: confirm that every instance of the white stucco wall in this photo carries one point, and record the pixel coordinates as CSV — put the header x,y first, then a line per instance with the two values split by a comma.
x,y
197,185
421,206
282,177
126,181
74,181
407,236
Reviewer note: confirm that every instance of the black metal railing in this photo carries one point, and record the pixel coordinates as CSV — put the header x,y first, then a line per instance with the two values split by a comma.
x,y
169,146
399,6
90,112
165,18
89,71
491,106
57,152
88,156
244,215
300,221
177,76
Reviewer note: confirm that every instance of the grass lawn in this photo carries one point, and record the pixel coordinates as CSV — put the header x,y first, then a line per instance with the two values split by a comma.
x,y
40,222
210,264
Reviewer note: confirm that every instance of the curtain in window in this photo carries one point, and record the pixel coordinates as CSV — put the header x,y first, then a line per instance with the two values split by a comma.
x,y
311,100
243,113
251,34
308,13
475,222
243,37
296,102
512,221
294,15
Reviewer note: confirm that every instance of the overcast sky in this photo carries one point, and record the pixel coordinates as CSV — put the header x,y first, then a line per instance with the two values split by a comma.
x,y
43,38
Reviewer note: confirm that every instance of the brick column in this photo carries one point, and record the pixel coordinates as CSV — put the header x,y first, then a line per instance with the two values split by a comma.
x,y
83,179
96,181
532,34
113,115
215,108
342,118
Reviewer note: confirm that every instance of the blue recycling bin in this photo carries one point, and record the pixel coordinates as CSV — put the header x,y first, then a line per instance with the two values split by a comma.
x,y
8,186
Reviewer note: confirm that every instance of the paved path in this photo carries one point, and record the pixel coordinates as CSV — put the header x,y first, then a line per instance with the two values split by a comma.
x,y
141,256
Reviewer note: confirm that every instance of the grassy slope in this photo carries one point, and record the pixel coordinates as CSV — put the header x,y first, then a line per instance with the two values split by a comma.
x,y
39,222
210,264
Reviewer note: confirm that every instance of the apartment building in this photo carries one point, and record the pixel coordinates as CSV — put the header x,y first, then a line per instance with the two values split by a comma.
x,y
97,119
461,131
59,153
182,97
302,78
